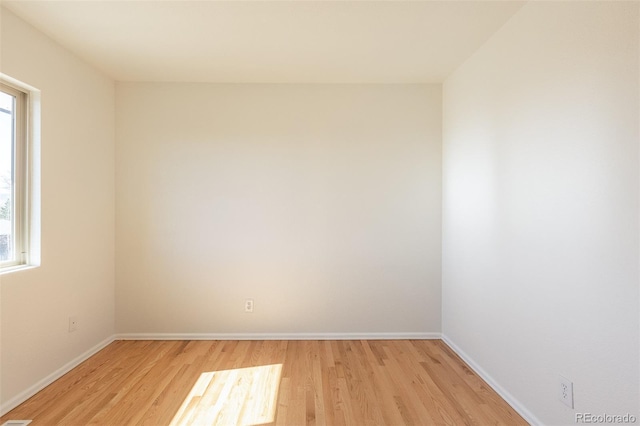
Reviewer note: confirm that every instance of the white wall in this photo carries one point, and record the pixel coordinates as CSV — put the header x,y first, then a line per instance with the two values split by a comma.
x,y
320,202
76,276
540,207
323,204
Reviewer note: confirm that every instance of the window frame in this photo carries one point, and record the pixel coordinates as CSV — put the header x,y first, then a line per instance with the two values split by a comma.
x,y
20,190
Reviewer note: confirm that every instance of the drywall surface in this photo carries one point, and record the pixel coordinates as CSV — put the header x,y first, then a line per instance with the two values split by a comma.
x,y
76,276
319,202
540,207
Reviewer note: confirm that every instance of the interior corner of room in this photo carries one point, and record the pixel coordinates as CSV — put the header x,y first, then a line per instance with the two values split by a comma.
x,y
493,204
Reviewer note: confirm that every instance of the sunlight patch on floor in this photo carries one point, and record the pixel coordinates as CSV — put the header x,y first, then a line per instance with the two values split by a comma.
x,y
241,396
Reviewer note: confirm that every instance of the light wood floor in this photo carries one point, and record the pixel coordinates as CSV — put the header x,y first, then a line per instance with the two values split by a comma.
x,y
373,382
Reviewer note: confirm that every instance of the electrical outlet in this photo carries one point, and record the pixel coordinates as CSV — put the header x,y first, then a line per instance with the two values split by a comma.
x,y
248,305
566,392
73,324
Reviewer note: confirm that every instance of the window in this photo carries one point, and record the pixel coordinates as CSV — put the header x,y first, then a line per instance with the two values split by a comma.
x,y
14,178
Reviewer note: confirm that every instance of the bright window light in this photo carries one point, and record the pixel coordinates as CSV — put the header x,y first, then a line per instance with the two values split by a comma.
x,y
19,175
241,396
11,168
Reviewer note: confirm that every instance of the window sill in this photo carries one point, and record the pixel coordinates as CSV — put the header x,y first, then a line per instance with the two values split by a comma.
x,y
17,268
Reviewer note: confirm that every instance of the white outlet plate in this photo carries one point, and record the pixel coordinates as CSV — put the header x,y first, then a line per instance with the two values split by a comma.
x,y
566,391
248,305
73,324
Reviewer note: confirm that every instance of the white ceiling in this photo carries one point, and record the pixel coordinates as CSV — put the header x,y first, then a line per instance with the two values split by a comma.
x,y
270,41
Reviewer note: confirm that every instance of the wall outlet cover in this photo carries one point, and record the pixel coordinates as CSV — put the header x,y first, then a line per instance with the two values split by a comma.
x,y
566,391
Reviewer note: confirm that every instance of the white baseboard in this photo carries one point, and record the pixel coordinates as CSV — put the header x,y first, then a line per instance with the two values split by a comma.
x,y
277,336
12,403
9,405
510,399
37,387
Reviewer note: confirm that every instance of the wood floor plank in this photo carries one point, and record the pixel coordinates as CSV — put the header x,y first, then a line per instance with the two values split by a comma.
x,y
287,383
411,407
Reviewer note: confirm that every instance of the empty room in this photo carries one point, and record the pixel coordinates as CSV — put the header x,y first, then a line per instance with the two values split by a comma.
x,y
319,212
